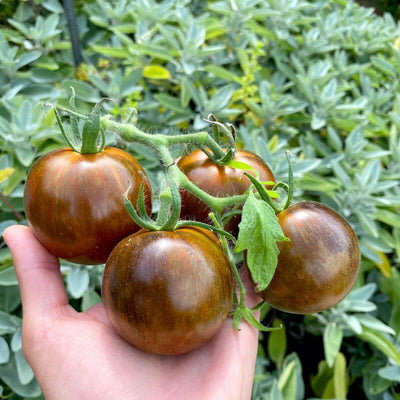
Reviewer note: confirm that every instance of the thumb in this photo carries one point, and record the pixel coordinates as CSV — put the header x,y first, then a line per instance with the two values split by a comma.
x,y
38,272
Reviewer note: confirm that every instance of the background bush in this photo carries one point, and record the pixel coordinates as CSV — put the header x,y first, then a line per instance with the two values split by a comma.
x,y
319,78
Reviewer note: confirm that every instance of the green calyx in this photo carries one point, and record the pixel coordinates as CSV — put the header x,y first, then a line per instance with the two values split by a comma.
x,y
168,216
91,138
265,194
170,207
224,135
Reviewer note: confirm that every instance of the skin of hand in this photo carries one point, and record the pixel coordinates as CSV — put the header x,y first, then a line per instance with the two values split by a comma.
x,y
78,355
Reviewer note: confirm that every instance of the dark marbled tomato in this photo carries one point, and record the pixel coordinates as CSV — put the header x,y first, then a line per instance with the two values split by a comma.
x,y
168,292
318,267
75,202
219,181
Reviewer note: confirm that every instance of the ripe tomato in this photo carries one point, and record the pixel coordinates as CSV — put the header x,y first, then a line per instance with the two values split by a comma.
x,y
168,292
320,264
75,202
219,181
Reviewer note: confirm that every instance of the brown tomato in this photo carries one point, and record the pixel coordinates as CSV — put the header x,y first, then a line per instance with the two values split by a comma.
x,y
168,292
318,267
75,202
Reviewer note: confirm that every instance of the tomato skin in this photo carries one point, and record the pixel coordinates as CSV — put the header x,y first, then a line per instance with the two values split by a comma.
x,y
75,202
219,181
320,264
168,292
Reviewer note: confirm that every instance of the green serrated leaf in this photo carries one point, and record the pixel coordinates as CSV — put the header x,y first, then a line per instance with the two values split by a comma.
x,y
258,234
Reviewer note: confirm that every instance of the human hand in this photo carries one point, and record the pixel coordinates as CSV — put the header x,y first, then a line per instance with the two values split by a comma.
x,y
79,356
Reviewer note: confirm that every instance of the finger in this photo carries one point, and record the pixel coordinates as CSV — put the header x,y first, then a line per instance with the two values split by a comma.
x,y
252,297
38,272
98,313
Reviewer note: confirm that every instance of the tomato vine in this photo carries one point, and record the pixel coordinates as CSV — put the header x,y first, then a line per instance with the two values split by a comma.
x,y
258,201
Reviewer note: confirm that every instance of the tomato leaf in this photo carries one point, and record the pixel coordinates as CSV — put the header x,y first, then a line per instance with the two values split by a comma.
x,y
259,231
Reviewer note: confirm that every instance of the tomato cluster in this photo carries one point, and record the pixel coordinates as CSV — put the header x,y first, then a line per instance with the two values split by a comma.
x,y
169,291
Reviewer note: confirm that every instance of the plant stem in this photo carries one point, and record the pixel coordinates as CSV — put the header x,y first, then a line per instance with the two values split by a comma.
x,y
160,143
231,260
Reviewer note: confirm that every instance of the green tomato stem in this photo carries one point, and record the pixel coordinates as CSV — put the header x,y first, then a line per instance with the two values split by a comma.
x,y
160,143
290,181
156,142
90,134
231,260
174,201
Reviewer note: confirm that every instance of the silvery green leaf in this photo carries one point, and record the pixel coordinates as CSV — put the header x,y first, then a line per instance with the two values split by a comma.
x,y
355,142
341,174
77,282
332,338
302,167
368,223
361,306
53,6
8,323
9,376
388,217
374,323
363,293
379,243
89,299
27,58
16,340
384,66
333,139
25,373
4,351
356,105
319,69
8,277
353,323
370,254
330,88
370,174
318,120
275,393
290,380
391,373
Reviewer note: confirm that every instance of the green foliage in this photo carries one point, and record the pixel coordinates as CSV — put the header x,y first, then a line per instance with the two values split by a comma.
x,y
260,219
319,78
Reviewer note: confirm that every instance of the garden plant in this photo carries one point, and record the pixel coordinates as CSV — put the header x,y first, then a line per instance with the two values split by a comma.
x,y
309,87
